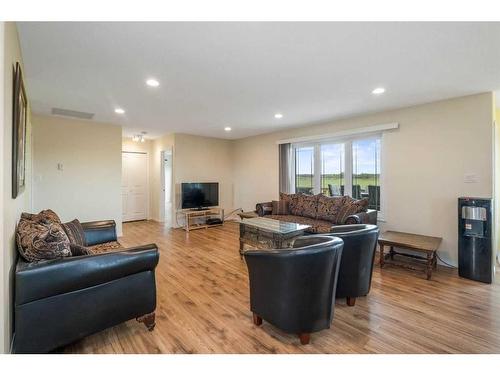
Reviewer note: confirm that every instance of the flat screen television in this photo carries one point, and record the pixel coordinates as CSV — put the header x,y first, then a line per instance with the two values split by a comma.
x,y
199,194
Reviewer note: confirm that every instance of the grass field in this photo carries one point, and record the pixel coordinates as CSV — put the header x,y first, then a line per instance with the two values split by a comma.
x,y
305,181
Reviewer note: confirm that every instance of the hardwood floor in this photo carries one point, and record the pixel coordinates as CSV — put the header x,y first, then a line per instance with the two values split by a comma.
x,y
203,307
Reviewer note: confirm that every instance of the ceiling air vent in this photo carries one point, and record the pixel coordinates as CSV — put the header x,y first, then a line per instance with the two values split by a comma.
x,y
70,113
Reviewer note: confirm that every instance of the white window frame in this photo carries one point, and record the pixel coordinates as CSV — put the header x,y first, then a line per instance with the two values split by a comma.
x,y
348,163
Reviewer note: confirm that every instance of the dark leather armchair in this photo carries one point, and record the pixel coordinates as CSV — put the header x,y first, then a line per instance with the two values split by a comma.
x,y
356,266
63,300
294,289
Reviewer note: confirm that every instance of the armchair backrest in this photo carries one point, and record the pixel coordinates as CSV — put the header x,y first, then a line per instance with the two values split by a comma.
x,y
360,242
374,197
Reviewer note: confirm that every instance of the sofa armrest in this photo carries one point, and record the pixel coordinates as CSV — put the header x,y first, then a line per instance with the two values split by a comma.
x,y
53,277
368,217
264,208
97,232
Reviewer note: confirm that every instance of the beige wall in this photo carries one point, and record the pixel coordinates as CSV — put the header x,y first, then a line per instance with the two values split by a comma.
x,y
12,208
195,158
423,164
89,186
203,159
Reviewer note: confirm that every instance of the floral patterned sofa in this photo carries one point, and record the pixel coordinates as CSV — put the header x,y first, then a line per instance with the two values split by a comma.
x,y
319,211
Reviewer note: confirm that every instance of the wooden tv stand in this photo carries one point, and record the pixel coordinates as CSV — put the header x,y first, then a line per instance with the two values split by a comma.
x,y
194,216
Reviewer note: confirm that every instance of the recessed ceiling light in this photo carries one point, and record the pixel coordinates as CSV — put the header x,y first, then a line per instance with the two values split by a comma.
x,y
152,82
278,115
227,128
120,111
378,91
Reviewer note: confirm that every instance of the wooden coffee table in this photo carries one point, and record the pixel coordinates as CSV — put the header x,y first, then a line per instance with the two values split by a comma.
x,y
264,233
415,242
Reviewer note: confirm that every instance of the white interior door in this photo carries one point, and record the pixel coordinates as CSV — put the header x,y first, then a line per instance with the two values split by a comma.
x,y
134,186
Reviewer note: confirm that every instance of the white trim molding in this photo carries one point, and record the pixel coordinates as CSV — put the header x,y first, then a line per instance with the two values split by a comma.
x,y
343,133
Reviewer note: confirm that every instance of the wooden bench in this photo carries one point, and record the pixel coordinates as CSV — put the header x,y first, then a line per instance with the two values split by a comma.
x,y
415,242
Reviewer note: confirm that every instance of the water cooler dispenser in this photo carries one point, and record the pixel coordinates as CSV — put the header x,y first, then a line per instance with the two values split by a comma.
x,y
475,240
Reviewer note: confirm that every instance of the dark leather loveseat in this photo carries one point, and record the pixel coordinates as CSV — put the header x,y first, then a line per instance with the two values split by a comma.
x,y
62,300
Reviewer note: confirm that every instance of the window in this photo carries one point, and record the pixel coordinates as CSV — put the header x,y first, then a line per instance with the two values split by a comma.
x,y
304,170
332,169
366,171
348,167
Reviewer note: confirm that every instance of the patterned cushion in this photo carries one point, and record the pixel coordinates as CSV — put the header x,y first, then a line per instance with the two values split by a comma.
x,y
75,233
40,239
105,247
351,206
280,208
304,205
47,216
317,226
329,207
288,197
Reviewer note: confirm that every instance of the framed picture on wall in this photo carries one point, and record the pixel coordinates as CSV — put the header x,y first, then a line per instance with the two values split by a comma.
x,y
19,119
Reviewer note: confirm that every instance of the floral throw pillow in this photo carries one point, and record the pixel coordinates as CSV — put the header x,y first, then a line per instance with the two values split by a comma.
x,y
329,207
281,207
41,240
349,207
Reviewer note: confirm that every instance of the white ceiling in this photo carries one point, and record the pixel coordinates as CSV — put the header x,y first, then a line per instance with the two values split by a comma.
x,y
214,75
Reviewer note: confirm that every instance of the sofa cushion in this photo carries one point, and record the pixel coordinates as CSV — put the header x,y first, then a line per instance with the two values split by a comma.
x,y
317,226
304,205
291,199
288,197
105,247
349,207
280,207
75,233
329,207
40,239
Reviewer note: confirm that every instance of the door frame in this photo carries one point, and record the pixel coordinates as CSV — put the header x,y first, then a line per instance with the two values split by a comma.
x,y
147,180
162,214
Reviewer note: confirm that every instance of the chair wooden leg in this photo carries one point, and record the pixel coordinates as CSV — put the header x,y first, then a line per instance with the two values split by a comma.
x,y
148,320
305,338
257,320
351,301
